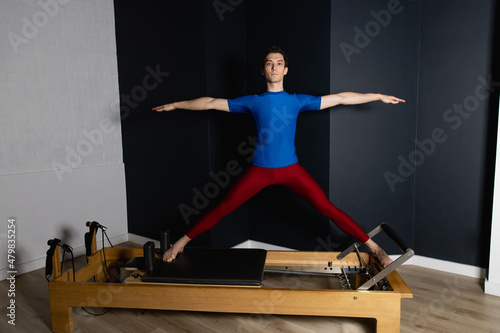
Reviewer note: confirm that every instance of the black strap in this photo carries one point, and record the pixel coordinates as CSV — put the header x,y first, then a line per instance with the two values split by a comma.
x,y
50,253
93,226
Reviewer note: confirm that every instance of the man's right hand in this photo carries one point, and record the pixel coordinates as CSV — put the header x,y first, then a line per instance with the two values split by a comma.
x,y
197,104
165,107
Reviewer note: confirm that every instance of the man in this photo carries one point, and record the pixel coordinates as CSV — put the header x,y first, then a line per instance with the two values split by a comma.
x,y
275,162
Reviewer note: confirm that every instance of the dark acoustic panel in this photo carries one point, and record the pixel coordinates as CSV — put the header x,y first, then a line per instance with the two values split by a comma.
x,y
302,30
455,67
374,49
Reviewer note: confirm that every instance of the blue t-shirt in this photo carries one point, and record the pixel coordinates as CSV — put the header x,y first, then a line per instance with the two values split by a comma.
x,y
275,117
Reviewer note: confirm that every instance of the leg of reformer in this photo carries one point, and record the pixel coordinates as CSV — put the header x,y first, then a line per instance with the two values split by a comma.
x,y
62,318
388,324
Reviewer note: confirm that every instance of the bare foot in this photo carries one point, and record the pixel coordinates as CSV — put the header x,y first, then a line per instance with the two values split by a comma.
x,y
383,258
178,247
172,252
379,253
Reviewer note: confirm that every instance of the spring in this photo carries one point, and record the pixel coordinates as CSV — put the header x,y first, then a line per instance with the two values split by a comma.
x,y
344,280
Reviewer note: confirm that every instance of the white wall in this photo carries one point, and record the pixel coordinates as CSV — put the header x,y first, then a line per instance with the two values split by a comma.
x,y
492,284
60,139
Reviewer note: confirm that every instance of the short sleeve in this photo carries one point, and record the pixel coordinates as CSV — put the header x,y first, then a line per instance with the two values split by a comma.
x,y
309,102
241,104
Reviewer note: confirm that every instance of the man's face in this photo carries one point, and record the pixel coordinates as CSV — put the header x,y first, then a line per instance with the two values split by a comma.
x,y
274,69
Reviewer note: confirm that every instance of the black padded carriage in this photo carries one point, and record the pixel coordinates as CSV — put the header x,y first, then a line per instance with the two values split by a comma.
x,y
238,267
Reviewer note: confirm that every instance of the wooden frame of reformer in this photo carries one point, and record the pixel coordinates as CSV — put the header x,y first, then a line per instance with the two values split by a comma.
x,y
64,293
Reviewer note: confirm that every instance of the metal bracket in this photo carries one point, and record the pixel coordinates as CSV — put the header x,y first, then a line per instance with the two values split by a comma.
x,y
407,254
386,271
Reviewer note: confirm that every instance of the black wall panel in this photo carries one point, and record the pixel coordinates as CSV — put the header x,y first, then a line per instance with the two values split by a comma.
x,y
449,190
165,154
225,40
302,29
375,48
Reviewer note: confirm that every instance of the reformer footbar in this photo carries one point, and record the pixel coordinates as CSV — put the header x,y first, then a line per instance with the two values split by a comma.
x,y
407,254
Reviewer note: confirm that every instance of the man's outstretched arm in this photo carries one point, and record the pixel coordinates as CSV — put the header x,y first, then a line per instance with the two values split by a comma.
x,y
351,98
198,104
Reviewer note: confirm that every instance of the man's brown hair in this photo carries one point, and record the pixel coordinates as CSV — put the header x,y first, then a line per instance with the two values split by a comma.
x,y
273,49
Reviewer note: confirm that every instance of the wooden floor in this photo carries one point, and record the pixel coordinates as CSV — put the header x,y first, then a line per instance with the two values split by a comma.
x,y
442,302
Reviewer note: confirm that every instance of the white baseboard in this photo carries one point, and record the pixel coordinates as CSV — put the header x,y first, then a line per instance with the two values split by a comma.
x,y
251,244
449,266
491,288
142,240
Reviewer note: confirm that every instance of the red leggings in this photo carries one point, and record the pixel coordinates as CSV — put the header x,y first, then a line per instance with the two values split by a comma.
x,y
297,179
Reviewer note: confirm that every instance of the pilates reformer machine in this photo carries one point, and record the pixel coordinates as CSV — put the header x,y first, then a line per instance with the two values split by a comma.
x,y
351,283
